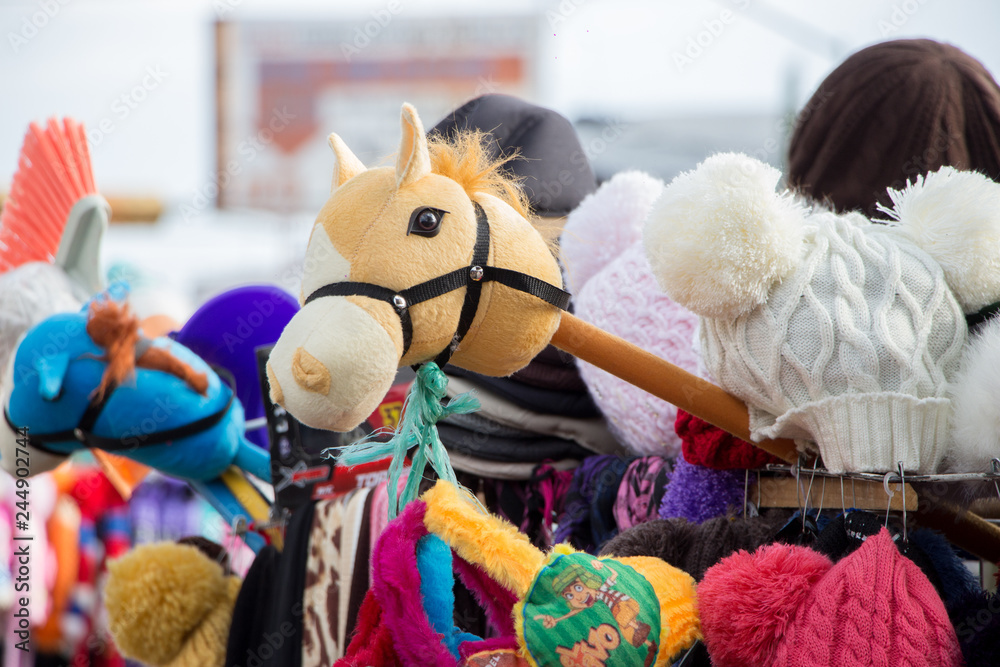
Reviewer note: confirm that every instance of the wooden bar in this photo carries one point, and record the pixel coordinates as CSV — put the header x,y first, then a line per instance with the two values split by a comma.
x,y
663,380
859,494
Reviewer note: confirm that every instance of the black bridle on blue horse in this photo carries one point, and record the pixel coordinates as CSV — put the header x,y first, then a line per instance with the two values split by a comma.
x,y
83,432
471,277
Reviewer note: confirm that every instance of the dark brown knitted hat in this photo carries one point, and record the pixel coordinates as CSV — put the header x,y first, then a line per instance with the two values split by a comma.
x,y
891,112
696,547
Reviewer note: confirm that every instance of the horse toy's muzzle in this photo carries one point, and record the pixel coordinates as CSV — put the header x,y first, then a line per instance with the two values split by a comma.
x,y
334,363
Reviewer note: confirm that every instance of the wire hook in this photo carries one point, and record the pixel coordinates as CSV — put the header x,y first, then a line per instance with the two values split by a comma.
x,y
889,492
843,498
902,486
808,498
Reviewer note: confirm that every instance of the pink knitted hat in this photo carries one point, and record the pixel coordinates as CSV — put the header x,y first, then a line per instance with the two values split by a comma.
x,y
786,606
878,608
619,294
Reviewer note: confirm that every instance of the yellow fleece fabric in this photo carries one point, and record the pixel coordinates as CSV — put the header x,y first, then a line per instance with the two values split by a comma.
x,y
676,591
481,538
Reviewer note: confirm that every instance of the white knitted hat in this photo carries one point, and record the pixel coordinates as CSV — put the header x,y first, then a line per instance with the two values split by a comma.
x,y
832,329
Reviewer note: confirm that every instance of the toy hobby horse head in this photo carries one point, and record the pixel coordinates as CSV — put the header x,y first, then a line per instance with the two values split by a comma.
x,y
423,261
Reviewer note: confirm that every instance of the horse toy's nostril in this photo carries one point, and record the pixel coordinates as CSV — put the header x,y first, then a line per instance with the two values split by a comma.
x,y
310,373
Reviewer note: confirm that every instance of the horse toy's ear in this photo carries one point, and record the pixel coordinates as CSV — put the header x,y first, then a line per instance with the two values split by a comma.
x,y
413,162
347,167
51,372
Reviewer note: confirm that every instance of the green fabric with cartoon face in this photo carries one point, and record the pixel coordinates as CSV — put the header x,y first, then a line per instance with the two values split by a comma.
x,y
581,610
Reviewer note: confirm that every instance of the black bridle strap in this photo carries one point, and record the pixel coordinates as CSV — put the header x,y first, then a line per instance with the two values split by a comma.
x,y
471,277
522,282
83,433
371,291
474,287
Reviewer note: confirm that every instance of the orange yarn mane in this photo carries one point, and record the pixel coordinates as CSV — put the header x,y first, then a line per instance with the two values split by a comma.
x,y
116,329
465,160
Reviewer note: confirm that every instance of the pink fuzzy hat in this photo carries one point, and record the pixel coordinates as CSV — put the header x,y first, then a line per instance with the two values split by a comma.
x,y
615,289
788,606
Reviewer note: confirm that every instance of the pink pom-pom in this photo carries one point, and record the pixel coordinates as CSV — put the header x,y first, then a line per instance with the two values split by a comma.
x,y
747,601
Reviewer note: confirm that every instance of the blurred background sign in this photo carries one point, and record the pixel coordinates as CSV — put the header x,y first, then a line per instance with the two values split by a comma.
x,y
283,86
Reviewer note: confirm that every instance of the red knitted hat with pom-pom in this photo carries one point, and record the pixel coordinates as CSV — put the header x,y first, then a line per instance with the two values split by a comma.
x,y
786,606
747,601
875,607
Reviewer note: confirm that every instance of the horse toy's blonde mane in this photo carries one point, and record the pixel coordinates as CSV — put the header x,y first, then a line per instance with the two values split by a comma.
x,y
466,160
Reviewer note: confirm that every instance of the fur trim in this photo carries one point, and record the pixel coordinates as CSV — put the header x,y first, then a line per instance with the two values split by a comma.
x,y
396,583
371,643
437,581
518,614
159,596
720,236
954,216
605,224
975,394
496,600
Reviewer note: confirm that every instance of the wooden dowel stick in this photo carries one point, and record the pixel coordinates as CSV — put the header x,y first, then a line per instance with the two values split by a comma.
x,y
663,380
962,527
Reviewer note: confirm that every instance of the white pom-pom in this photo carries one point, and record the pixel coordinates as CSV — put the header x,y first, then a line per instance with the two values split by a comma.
x,y
975,396
954,216
720,236
605,224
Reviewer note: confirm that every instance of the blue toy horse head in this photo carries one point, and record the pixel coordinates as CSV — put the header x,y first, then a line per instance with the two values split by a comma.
x,y
152,416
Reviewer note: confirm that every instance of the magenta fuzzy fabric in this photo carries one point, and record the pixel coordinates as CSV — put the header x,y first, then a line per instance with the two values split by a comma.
x,y
396,585
491,596
747,601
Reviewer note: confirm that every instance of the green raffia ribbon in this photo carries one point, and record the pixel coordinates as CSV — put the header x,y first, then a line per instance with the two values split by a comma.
x,y
422,410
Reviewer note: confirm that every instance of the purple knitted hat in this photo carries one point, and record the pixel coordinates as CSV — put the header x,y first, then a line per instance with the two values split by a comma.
x,y
698,494
620,295
575,521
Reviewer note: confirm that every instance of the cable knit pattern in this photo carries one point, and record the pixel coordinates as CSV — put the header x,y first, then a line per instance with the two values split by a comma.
x,y
854,350
875,608
616,291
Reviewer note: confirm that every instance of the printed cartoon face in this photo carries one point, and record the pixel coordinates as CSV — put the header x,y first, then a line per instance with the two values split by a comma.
x,y
579,595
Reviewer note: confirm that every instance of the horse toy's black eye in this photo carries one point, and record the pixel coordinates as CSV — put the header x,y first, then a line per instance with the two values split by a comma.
x,y
426,221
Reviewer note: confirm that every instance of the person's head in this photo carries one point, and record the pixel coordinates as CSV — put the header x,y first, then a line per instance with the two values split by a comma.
x,y
892,112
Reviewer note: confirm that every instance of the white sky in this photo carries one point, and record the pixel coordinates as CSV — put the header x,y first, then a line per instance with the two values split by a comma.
x,y
609,57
